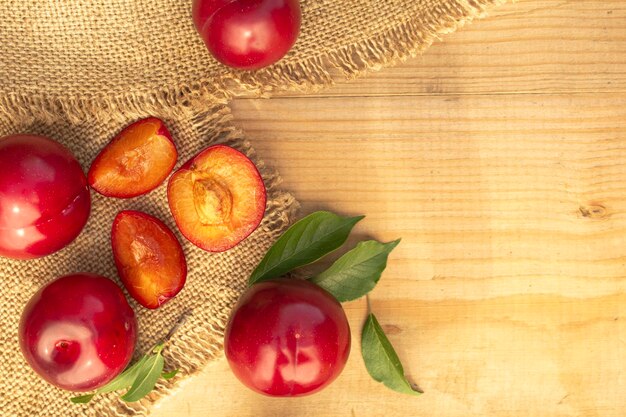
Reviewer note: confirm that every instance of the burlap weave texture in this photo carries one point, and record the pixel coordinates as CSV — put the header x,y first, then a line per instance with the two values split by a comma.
x,y
80,70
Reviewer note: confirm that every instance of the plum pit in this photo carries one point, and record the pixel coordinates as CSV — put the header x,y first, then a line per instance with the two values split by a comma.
x,y
213,201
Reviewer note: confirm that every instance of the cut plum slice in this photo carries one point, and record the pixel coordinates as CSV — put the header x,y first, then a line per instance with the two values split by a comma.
x,y
149,258
134,162
217,198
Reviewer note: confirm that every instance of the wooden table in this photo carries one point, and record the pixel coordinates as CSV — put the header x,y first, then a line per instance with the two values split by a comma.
x,y
500,158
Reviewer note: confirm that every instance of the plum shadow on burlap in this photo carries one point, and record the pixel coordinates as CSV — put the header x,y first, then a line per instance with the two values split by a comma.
x,y
80,70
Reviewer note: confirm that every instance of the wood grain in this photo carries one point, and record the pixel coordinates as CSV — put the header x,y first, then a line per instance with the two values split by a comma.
x,y
533,46
500,159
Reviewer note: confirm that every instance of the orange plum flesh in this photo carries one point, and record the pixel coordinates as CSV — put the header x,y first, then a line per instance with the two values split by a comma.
x,y
149,258
217,198
135,162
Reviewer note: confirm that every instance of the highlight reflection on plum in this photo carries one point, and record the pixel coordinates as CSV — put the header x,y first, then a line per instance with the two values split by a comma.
x,y
248,34
287,337
44,198
78,332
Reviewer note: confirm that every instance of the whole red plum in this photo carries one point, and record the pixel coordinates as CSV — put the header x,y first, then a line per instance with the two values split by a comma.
x,y
78,332
287,337
44,197
248,34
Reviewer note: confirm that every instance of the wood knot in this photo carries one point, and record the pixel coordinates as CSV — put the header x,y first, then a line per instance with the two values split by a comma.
x,y
391,329
593,211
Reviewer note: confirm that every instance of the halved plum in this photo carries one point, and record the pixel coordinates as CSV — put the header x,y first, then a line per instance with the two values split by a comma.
x,y
217,198
148,257
135,162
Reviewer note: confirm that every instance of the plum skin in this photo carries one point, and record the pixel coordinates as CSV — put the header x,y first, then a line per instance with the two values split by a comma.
x,y
44,197
248,34
287,338
78,332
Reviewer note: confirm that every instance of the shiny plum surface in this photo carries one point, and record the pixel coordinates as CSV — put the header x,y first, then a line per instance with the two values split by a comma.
x,y
287,337
78,332
248,34
44,198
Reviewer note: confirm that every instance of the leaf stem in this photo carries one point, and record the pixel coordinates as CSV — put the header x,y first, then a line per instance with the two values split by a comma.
x,y
177,325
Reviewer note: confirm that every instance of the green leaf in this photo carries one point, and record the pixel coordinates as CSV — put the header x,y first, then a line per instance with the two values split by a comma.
x,y
82,399
357,272
381,359
170,374
306,241
122,381
147,377
125,379
139,378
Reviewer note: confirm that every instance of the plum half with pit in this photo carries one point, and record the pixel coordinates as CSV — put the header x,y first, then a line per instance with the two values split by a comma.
x,y
78,332
217,198
287,338
44,197
248,34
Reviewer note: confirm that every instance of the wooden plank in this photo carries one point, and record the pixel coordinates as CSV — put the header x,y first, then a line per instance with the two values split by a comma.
x,y
531,46
486,188
506,357
499,157
507,294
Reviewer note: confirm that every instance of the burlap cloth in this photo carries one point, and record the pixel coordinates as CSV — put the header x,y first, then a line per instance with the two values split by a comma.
x,y
79,70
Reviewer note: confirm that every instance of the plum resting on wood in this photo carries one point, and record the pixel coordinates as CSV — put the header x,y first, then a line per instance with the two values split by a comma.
x,y
287,337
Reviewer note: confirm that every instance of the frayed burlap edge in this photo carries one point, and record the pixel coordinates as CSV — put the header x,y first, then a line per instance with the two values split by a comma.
x,y
387,48
178,101
199,339
192,348
382,50
199,350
